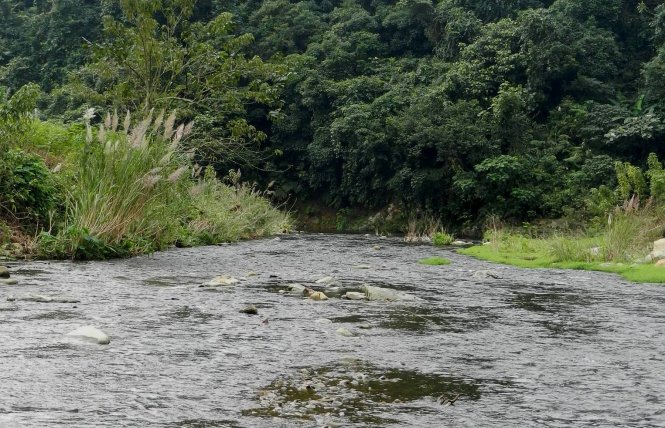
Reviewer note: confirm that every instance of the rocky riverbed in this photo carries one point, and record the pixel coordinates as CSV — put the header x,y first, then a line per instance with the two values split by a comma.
x,y
224,336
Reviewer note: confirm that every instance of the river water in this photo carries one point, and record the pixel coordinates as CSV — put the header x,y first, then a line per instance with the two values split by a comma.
x,y
508,347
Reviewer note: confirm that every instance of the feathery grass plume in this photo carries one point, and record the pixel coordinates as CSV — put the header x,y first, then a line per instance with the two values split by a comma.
x,y
175,175
114,121
107,121
159,121
169,126
101,135
128,121
131,195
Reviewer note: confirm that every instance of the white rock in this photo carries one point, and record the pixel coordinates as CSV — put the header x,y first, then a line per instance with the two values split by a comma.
x,y
354,295
8,281
658,251
344,332
386,294
325,280
221,280
296,288
91,333
317,295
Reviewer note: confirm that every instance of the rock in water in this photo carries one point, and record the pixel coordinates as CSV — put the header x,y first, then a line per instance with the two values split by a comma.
x,y
296,288
221,280
91,333
325,280
250,310
485,274
344,332
362,266
386,294
354,295
8,281
4,272
317,295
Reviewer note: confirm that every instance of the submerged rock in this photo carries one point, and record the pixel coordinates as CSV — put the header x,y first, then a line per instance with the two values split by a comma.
x,y
354,295
326,280
485,274
8,281
250,310
221,281
344,332
90,333
4,272
40,298
362,266
386,294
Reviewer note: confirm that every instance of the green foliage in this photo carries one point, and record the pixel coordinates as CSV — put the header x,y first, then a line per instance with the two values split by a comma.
x,y
441,239
28,190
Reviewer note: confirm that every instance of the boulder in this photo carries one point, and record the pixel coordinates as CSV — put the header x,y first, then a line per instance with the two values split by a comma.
x,y
317,295
4,272
354,295
296,288
658,251
221,281
386,294
660,263
90,333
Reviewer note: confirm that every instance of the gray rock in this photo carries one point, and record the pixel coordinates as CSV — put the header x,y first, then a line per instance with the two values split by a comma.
x,y
486,274
90,333
250,310
386,294
40,298
354,295
326,280
362,266
344,332
8,281
4,272
296,288
221,281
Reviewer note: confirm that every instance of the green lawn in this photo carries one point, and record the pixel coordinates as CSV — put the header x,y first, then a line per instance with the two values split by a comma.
x,y
540,259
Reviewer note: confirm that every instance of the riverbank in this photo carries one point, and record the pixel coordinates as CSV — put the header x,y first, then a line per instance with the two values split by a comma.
x,y
525,252
89,192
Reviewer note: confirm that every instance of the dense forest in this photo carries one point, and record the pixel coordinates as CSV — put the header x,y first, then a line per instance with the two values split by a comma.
x,y
456,109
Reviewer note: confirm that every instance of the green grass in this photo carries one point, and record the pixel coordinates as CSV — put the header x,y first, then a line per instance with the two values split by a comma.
x,y
434,261
441,239
534,254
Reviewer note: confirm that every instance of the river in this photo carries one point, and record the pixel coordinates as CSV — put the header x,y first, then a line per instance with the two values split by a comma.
x,y
483,345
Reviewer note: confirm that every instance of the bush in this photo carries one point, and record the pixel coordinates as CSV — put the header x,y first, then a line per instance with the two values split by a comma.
x,y
28,190
442,238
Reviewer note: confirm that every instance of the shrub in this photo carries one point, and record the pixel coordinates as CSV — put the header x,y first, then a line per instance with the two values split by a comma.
x,y
442,238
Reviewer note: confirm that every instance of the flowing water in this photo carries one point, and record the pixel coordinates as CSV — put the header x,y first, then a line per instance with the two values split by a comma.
x,y
508,347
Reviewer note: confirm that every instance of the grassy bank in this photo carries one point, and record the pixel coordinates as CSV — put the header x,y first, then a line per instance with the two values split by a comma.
x,y
119,188
620,247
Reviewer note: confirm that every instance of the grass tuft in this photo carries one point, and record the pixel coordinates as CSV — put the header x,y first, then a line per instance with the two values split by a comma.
x,y
434,261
